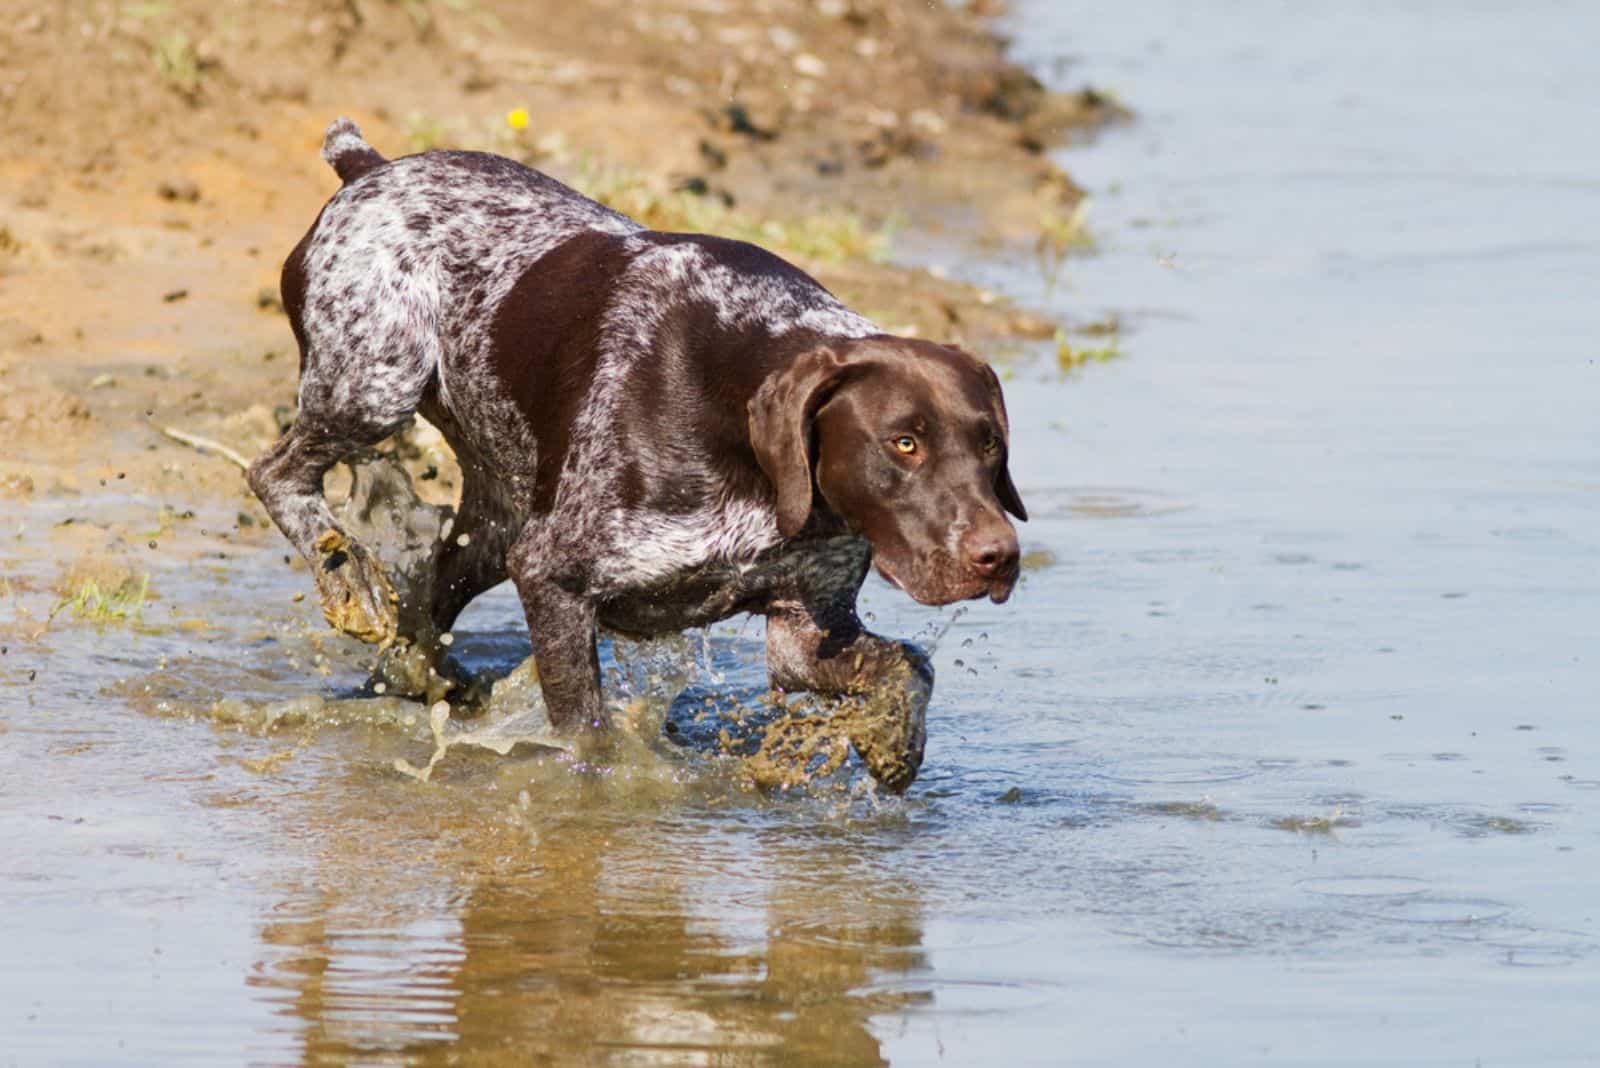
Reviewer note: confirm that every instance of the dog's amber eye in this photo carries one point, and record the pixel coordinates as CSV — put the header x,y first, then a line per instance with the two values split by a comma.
x,y
905,443
991,445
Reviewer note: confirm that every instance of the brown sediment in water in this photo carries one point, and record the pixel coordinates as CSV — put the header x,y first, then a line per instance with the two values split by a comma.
x,y
763,747
804,748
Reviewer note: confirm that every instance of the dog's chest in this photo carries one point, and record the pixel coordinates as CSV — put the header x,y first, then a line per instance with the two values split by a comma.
x,y
693,598
649,548
716,589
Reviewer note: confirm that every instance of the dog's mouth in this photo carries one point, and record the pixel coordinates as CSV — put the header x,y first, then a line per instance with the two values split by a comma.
x,y
942,586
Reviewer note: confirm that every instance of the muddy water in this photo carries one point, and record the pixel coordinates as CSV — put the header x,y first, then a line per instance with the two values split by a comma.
x,y
1285,750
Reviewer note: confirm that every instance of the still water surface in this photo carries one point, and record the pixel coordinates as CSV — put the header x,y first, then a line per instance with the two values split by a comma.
x,y
1285,751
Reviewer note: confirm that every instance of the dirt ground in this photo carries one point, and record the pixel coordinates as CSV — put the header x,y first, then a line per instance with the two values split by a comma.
x,y
158,160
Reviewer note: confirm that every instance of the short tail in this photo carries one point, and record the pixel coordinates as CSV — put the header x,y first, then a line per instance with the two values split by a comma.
x,y
347,153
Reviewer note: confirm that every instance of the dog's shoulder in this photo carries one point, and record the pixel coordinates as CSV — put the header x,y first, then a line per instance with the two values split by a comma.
x,y
743,287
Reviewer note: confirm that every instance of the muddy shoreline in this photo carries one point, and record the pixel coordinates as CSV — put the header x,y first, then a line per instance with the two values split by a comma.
x,y
150,204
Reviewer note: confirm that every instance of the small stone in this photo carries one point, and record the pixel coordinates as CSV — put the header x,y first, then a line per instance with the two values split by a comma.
x,y
809,65
736,118
16,485
715,157
929,122
181,190
784,40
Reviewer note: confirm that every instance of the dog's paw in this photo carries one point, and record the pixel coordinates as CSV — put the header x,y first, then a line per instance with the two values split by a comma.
x,y
890,743
888,725
355,593
421,669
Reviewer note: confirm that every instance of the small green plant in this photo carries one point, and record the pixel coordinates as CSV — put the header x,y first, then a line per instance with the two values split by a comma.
x,y
141,12
1203,810
424,133
420,14
822,237
178,64
1062,232
1315,824
421,11
88,599
1060,235
1071,357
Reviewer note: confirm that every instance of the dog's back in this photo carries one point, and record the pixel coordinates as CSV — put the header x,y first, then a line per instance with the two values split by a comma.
x,y
415,250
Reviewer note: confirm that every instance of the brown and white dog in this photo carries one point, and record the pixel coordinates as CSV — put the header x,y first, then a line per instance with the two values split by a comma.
x,y
656,431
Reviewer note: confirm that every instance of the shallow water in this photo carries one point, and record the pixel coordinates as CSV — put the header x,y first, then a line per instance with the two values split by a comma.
x,y
1285,751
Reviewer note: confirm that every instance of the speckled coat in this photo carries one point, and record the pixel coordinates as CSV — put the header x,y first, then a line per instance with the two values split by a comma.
x,y
603,386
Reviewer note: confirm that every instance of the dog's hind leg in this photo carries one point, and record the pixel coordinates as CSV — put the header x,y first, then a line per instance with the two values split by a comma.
x,y
359,382
356,597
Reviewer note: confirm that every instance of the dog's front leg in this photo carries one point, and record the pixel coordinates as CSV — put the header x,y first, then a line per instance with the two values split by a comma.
x,y
824,648
561,626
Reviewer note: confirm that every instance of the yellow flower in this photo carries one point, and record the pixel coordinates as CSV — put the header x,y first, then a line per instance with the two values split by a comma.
x,y
517,118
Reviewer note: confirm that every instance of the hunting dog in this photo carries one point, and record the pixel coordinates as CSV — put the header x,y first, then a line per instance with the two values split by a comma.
x,y
656,431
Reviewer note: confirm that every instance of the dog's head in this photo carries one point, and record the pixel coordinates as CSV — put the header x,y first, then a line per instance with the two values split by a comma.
x,y
906,441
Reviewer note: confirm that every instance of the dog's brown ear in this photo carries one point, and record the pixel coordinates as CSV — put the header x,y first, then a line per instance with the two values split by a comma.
x,y
1004,488
781,414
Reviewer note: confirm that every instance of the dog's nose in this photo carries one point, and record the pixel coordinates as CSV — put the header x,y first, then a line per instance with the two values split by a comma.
x,y
991,551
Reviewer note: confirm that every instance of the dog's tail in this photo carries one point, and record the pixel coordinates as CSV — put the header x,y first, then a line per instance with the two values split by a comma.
x,y
347,152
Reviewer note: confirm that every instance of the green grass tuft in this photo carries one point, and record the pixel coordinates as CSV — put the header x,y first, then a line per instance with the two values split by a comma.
x,y
178,64
829,237
1071,357
89,600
